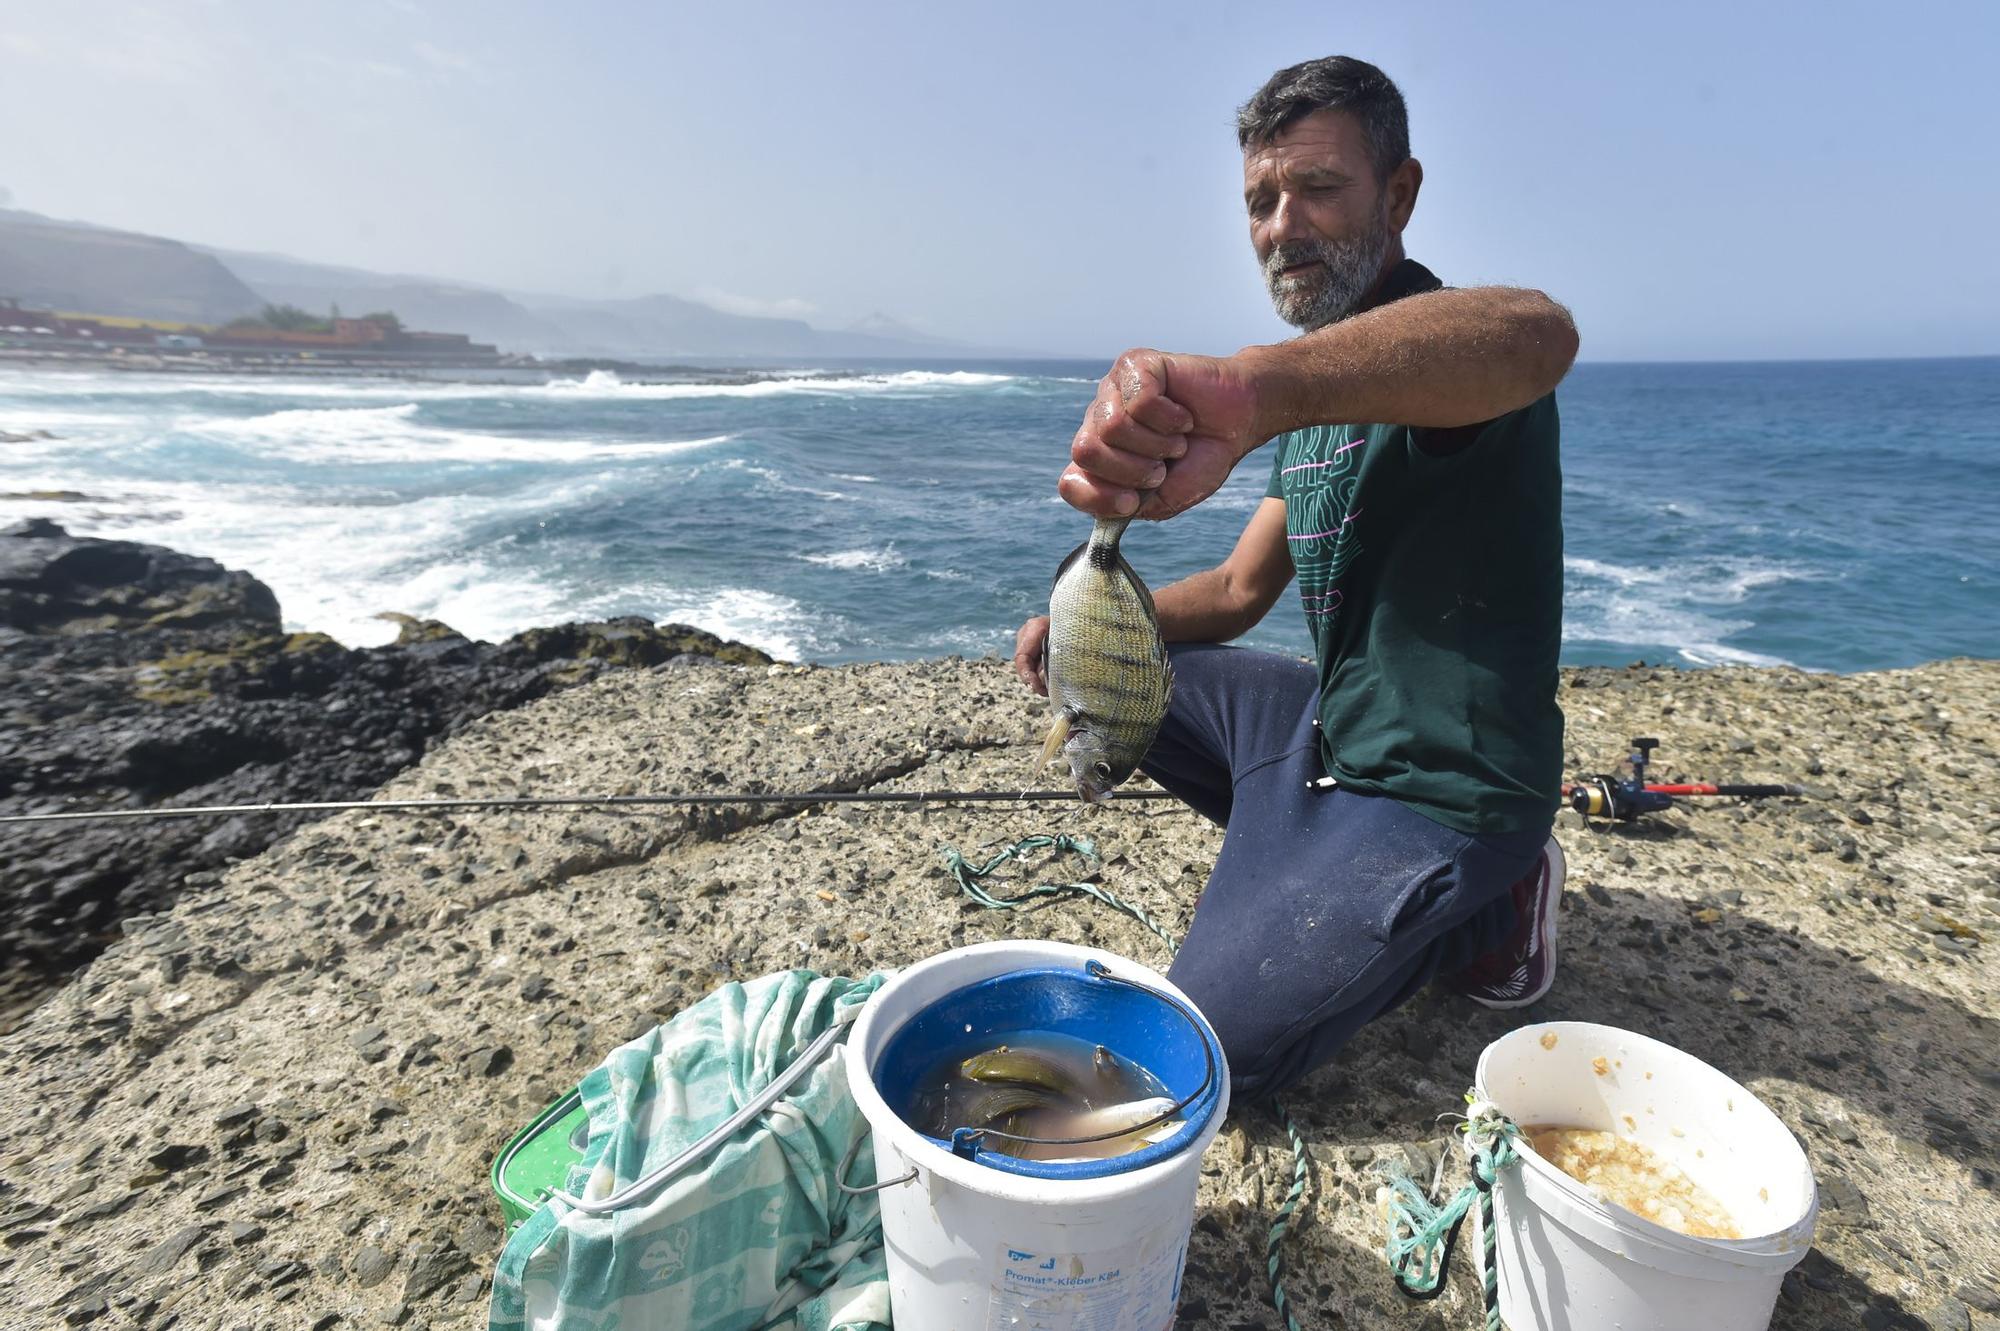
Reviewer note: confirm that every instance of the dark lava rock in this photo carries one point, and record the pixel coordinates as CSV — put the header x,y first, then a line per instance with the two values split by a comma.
x,y
218,1196
479,1234
1949,1315
371,1266
630,641
432,1267
160,1258
52,582
1845,1205
1985,1297
491,1062
131,675
176,1156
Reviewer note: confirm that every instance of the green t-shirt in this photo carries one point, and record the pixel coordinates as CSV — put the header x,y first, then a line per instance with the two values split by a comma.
x,y
1430,568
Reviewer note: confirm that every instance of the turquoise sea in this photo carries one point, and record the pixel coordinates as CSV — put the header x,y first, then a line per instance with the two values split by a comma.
x,y
1837,516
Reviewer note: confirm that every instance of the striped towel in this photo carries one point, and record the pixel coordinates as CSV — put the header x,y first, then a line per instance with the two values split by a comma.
x,y
755,1238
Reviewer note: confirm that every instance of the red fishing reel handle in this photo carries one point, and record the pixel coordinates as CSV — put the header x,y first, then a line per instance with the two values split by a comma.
x,y
1765,791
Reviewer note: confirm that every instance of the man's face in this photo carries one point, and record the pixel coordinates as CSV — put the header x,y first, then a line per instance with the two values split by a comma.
x,y
1321,223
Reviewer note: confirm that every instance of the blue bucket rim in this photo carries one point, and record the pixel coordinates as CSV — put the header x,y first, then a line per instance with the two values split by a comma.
x,y
1196,1111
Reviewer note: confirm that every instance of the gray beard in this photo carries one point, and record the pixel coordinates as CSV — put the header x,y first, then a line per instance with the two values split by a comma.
x,y
1333,291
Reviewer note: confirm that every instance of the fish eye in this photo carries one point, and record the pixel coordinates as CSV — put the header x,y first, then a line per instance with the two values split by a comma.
x,y
1103,771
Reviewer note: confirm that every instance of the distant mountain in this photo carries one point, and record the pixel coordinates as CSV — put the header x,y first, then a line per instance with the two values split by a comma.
x,y
665,325
97,270
82,267
657,327
879,324
439,307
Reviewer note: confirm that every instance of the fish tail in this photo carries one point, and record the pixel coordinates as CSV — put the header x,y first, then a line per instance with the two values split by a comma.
x,y
1104,539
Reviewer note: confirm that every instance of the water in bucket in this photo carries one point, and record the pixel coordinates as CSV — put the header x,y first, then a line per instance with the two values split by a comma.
x,y
1043,1095
975,1238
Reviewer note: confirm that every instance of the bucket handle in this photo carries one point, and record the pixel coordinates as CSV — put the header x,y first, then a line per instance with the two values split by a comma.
x,y
965,1142
847,1162
755,1106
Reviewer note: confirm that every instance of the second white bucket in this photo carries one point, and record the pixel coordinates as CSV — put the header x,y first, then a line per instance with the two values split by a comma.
x,y
973,1245
1571,1261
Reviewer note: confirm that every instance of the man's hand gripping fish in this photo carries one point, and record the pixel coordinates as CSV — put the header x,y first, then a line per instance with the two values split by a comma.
x,y
1106,666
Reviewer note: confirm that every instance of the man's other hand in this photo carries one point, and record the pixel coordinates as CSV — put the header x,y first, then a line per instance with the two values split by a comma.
x,y
1163,434
1029,645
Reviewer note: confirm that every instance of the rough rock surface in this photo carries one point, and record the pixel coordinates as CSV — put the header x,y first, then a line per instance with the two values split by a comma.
x,y
132,675
274,1105
52,582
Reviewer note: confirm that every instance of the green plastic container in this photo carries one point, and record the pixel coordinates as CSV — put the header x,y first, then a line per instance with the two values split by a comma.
x,y
537,1160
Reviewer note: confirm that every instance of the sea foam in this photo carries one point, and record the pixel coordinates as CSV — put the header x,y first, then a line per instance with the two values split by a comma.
x,y
395,434
872,561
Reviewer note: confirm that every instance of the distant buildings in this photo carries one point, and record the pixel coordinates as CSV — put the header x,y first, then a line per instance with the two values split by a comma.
x,y
371,339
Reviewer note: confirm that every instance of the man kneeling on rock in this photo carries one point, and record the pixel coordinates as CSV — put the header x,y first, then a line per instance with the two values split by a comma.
x,y
1388,808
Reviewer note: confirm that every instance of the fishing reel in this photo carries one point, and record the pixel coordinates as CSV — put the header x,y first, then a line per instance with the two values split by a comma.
x,y
1627,799
1607,796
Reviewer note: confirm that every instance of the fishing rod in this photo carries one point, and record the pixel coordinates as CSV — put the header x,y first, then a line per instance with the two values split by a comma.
x,y
1626,800
1603,796
582,802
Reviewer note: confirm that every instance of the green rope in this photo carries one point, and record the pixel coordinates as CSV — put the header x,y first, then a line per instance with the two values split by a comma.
x,y
1274,1257
967,877
1422,1232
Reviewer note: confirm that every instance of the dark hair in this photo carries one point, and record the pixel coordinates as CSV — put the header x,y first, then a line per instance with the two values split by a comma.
x,y
1336,83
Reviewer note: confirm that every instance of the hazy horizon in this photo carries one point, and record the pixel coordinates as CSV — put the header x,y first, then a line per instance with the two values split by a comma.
x,y
1735,186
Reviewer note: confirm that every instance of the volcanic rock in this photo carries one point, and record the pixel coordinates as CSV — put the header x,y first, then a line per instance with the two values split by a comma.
x,y
133,676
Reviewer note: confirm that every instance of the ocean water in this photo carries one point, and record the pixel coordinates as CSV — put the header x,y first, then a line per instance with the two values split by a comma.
x,y
1836,516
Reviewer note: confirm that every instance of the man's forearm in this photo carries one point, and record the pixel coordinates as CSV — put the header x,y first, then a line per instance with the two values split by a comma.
x,y
1202,608
1443,358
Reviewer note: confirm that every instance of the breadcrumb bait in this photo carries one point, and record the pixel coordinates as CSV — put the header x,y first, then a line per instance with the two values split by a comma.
x,y
1628,1174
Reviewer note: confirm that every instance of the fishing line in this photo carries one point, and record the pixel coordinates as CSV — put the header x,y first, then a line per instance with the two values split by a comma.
x,y
911,797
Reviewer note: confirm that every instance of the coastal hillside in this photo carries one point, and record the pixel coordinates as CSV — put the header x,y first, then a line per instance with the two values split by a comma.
x,y
79,267
67,266
277,1100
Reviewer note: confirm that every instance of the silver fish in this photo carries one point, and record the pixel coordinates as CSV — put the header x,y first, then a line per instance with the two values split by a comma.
x,y
1111,1118
1106,665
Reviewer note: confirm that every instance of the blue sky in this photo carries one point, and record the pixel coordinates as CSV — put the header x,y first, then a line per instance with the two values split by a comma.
x,y
1696,181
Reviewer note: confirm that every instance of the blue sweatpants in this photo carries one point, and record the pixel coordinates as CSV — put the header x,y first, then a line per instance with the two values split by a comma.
x,y
1326,908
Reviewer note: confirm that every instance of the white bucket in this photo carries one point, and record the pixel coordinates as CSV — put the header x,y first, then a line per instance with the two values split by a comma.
x,y
1570,1261
971,1247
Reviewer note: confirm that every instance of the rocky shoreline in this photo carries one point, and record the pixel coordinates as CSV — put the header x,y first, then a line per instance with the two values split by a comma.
x,y
134,676
273,1103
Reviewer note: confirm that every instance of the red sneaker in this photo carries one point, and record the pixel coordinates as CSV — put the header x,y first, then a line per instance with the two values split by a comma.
x,y
1521,969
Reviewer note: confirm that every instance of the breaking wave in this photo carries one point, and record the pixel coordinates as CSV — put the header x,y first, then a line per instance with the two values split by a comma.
x,y
1680,604
606,383
393,434
872,561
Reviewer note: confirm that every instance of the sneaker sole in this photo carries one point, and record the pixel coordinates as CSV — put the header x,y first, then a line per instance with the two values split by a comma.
x,y
1556,867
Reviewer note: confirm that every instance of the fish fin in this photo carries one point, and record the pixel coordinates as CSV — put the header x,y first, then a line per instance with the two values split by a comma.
x,y
1058,732
1068,559
1139,586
